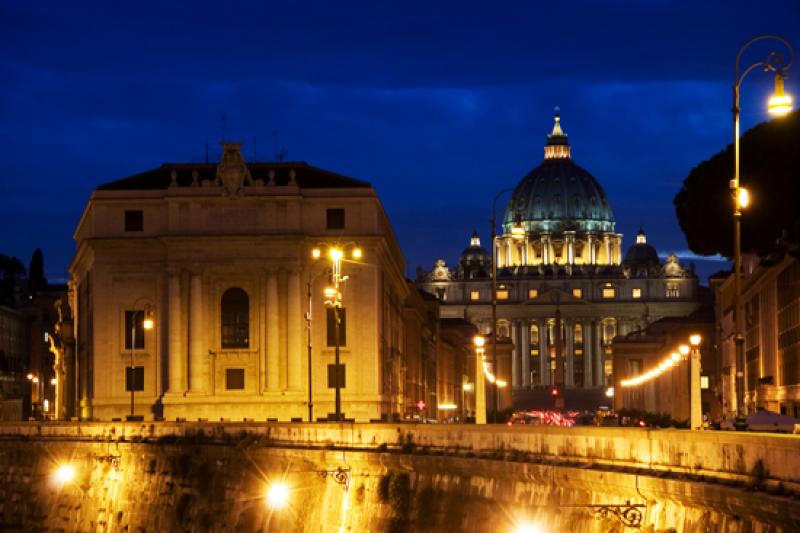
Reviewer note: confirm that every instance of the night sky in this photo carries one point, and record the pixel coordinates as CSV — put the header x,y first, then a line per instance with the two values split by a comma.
x,y
438,104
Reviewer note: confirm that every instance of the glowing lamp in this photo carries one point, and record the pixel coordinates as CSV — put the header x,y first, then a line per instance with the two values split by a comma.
x,y
148,321
30,376
695,339
610,391
743,198
501,383
675,356
64,474
683,349
357,253
35,379
277,495
780,103
336,254
479,341
53,381
330,293
315,253
528,527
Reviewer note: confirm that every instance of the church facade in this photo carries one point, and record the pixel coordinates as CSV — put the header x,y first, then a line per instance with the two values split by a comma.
x,y
564,287
217,259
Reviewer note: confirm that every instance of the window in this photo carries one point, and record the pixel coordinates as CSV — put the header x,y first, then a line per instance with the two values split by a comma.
x,y
332,376
503,330
578,334
235,319
634,367
636,293
129,327
475,295
577,293
332,327
534,340
609,291
234,378
502,292
334,218
134,377
532,294
134,220
672,290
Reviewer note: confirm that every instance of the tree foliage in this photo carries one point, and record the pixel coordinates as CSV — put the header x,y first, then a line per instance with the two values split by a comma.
x,y
769,169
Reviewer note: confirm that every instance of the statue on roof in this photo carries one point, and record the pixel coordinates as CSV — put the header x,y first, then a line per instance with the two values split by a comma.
x,y
232,171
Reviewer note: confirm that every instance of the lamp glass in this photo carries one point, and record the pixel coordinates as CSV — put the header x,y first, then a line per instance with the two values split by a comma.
x,y
743,197
315,253
357,253
683,349
479,341
695,339
335,253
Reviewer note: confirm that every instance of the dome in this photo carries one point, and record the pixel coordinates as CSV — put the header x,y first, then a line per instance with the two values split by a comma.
x,y
559,195
641,253
475,260
475,254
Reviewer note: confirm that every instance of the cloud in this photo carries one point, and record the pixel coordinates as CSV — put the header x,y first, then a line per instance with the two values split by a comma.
x,y
688,255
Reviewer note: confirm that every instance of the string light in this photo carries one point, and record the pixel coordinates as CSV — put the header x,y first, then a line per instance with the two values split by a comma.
x,y
666,364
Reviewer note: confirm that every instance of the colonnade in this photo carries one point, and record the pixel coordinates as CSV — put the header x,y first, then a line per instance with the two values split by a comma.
x,y
564,248
529,334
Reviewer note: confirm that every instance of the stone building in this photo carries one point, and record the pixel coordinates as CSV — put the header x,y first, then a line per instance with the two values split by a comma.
x,y
564,287
771,306
219,257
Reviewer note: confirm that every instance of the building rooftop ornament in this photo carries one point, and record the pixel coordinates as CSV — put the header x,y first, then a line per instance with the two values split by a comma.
x,y
232,172
557,146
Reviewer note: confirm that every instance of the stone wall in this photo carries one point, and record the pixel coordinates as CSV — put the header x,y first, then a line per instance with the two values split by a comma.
x,y
200,484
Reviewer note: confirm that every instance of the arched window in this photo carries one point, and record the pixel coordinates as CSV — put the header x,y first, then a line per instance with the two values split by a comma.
x,y
235,311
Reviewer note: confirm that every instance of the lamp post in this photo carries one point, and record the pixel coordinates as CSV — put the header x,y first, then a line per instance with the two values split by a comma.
x,y
308,318
517,232
147,324
333,299
779,105
480,381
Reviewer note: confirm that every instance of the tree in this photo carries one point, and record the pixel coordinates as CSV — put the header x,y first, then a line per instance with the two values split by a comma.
x,y
769,169
36,279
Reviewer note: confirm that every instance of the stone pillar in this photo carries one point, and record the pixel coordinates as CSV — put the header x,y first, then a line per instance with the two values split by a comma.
x,y
273,333
507,244
569,378
544,353
569,238
526,354
517,357
588,353
177,351
598,355
198,361
547,256
590,245
607,248
525,248
294,330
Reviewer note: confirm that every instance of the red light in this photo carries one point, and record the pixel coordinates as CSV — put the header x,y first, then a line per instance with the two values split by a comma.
x,y
420,405
554,392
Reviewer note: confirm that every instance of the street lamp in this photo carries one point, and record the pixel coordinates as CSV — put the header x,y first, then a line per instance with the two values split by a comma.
x,y
308,318
147,324
517,232
333,299
779,105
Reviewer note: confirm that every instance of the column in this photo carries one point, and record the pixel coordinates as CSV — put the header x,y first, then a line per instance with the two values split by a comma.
x,y
598,355
273,335
590,244
607,247
507,244
525,251
546,256
588,353
294,330
515,370
198,361
177,353
526,353
544,353
569,237
569,378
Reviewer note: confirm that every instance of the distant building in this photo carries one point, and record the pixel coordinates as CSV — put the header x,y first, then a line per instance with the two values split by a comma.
x,y
565,290
220,255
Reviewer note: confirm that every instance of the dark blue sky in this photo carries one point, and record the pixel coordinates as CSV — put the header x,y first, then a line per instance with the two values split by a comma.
x,y
438,104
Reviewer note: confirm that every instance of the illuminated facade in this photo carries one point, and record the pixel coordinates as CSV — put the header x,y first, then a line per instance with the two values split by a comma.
x,y
220,255
564,289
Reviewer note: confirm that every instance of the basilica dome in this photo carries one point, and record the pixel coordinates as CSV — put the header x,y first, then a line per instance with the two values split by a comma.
x,y
641,253
559,195
475,259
